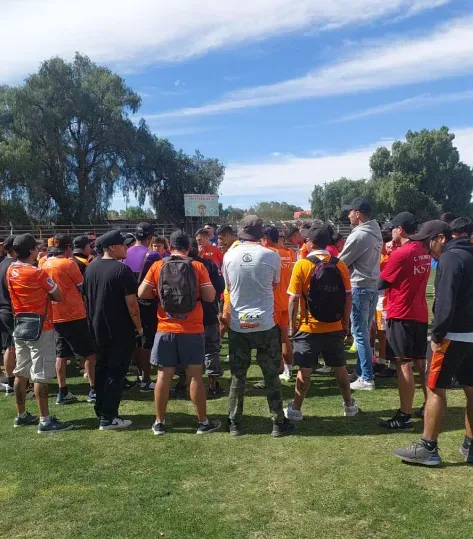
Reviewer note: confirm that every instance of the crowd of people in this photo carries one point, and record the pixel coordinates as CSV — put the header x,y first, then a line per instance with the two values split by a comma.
x,y
293,296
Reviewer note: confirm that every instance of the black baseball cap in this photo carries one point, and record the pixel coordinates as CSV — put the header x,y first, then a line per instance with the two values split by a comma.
x,y
24,242
404,219
98,246
80,243
61,242
272,233
143,230
129,238
358,204
180,240
431,229
320,235
114,237
251,228
291,230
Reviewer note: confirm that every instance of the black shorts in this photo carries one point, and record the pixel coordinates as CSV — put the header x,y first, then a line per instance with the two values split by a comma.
x,y
406,339
149,321
6,329
73,339
178,349
453,358
308,346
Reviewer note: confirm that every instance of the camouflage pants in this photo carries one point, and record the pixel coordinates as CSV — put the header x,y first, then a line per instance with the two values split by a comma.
x,y
268,353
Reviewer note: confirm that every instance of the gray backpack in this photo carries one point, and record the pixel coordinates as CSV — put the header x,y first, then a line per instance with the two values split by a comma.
x,y
177,286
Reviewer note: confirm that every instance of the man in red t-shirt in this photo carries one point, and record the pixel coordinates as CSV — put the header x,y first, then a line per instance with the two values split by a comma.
x,y
405,278
206,249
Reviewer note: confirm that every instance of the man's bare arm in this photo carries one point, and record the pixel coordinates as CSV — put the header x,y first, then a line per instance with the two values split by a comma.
x,y
134,311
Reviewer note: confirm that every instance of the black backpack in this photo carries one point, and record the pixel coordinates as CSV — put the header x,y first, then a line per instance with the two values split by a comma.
x,y
327,295
177,286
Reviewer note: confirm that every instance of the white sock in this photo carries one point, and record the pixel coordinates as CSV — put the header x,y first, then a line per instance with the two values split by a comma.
x,y
206,422
23,415
45,420
159,421
287,369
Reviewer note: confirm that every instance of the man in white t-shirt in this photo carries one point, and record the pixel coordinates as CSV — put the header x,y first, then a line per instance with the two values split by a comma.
x,y
251,273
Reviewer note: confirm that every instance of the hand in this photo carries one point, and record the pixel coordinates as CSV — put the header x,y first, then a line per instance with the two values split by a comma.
x,y
435,346
292,330
140,332
224,320
346,327
201,249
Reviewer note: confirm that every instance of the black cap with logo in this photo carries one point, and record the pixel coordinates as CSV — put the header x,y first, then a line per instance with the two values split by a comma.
x,y
358,204
114,237
430,229
143,230
404,219
61,242
320,235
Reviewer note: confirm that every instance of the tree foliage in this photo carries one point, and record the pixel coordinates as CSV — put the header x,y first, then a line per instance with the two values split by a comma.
x,y
132,213
274,211
423,175
68,142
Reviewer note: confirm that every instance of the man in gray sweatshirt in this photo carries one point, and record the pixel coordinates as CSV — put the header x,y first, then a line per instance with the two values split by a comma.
x,y
362,256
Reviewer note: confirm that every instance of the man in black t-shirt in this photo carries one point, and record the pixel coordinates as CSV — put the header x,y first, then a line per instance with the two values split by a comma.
x,y
114,318
6,317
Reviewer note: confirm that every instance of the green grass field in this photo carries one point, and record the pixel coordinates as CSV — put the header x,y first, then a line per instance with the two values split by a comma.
x,y
336,478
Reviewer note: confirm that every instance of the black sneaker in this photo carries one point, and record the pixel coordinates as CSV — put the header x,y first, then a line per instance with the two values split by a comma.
x,y
378,367
215,392
386,373
178,392
54,426
128,384
399,423
158,429
420,412
234,429
27,420
211,426
286,428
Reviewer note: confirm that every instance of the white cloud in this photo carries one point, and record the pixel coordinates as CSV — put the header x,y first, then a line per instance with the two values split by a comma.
x,y
292,178
135,34
445,52
412,103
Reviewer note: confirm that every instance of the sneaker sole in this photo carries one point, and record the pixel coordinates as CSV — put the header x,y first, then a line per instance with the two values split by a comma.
x,y
397,429
115,427
209,431
468,458
350,414
70,427
147,390
421,462
283,434
298,418
32,422
65,403
362,388
91,401
160,433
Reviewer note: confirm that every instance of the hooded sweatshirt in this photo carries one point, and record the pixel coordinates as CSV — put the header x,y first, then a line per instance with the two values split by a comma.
x,y
453,307
362,253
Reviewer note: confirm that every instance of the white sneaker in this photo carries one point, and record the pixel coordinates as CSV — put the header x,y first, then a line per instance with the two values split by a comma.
x,y
285,376
290,413
362,385
29,395
350,411
353,376
324,370
117,423
86,376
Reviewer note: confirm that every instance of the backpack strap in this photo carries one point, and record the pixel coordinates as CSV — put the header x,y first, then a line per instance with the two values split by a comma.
x,y
143,264
334,260
314,260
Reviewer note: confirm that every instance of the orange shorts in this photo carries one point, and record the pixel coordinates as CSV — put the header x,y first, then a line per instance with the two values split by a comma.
x,y
281,319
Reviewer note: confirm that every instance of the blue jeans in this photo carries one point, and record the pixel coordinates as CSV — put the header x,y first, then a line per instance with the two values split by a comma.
x,y
362,314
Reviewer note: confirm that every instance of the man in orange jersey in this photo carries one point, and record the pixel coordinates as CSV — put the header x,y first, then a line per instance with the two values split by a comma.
x,y
69,317
182,284
31,290
206,249
281,297
298,238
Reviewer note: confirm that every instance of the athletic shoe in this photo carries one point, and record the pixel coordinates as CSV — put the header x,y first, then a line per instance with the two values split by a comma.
x,y
9,391
147,387
352,410
54,426
353,348
259,385
353,376
467,452
128,384
211,426
65,399
362,385
378,367
115,424
92,396
419,454
324,370
234,429
291,413
286,377
286,428
420,412
158,429
385,373
30,395
215,392
86,376
27,420
178,392
398,423
133,370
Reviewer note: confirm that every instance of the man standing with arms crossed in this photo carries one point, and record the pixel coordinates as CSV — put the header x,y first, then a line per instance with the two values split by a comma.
x,y
251,274
362,254
114,319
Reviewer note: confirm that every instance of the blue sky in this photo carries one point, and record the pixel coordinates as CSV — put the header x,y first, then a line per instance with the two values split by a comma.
x,y
287,94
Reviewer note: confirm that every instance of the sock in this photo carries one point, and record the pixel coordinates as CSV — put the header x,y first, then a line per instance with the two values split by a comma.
x,y
45,420
63,391
429,444
287,369
206,422
23,415
468,442
163,422
92,388
11,380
